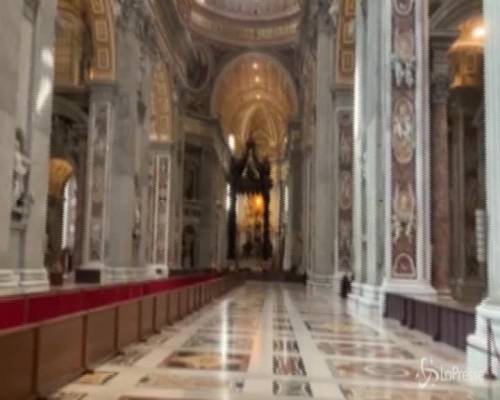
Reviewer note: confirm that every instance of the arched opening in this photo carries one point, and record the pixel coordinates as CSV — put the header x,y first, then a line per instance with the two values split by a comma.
x,y
84,54
255,99
61,219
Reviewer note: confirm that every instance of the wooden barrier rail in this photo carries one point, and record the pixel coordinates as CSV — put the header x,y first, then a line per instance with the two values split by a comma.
x,y
445,322
37,359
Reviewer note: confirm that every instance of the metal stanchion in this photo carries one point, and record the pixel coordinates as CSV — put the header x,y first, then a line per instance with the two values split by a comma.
x,y
489,375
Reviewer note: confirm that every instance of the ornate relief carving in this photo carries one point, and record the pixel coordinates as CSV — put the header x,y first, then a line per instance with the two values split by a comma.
x,y
345,190
98,179
403,71
199,68
403,127
345,234
404,267
132,16
21,199
345,126
403,220
161,236
440,88
404,64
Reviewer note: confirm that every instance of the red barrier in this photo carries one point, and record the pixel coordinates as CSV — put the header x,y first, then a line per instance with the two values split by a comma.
x,y
30,308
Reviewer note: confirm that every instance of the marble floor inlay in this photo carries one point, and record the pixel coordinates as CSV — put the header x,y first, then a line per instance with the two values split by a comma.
x,y
279,341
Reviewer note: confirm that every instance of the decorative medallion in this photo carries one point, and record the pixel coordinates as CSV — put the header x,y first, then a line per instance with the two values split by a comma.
x,y
403,130
404,267
403,212
403,7
345,190
404,43
345,233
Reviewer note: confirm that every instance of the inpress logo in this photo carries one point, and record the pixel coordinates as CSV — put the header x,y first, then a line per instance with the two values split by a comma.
x,y
431,375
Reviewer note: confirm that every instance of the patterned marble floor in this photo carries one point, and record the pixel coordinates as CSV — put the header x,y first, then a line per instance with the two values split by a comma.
x,y
273,341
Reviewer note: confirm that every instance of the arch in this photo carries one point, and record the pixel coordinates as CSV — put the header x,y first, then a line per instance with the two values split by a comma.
x,y
248,59
254,91
85,42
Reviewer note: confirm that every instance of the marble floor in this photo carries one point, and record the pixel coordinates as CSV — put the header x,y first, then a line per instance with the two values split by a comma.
x,y
277,341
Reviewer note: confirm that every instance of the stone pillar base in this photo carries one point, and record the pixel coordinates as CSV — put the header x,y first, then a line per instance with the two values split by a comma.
x,y
410,288
337,282
477,343
404,287
26,278
124,274
365,298
355,292
157,271
34,278
320,280
8,279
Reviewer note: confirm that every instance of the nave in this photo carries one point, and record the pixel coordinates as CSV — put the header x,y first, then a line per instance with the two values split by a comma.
x,y
280,341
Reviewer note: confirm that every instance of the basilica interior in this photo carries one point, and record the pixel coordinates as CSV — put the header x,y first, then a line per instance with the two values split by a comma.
x,y
250,199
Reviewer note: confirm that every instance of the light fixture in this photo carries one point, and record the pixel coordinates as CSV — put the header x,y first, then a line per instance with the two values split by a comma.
x,y
255,65
231,142
257,79
479,32
257,96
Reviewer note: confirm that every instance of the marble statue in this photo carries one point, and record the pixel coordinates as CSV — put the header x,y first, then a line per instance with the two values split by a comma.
x,y
22,166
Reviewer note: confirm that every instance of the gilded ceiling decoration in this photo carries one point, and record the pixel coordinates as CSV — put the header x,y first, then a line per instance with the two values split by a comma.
x,y
243,22
85,42
254,96
346,43
252,8
161,105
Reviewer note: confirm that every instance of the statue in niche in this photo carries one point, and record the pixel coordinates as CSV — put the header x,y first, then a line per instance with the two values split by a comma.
x,y
21,200
136,231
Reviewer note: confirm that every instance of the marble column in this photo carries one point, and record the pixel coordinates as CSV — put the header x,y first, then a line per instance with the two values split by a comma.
x,y
96,236
440,185
33,271
489,310
158,214
368,217
323,212
305,236
358,236
407,149
28,34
